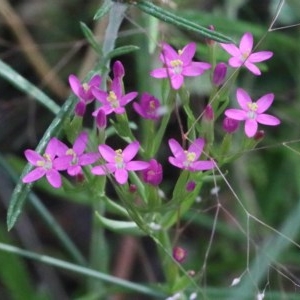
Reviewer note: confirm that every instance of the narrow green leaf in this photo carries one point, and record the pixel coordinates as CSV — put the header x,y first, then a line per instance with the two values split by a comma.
x,y
25,86
122,227
121,51
90,37
21,190
173,18
103,10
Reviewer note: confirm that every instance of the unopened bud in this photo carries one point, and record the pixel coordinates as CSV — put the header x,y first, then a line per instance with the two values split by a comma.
x,y
208,113
190,186
259,135
179,254
118,70
80,109
101,119
230,125
219,74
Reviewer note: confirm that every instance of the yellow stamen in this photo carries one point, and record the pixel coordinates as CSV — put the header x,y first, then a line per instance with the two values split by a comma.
x,y
176,63
252,106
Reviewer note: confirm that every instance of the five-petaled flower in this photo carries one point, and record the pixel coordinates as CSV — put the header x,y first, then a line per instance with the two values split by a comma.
x,y
148,108
46,164
252,112
119,162
188,159
76,156
243,55
179,64
114,100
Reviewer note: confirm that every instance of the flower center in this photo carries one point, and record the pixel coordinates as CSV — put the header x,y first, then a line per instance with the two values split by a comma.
x,y
176,64
47,163
252,106
190,157
119,159
74,156
86,86
112,99
245,55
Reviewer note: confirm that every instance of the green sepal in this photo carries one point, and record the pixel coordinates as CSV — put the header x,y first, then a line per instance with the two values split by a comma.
x,y
122,227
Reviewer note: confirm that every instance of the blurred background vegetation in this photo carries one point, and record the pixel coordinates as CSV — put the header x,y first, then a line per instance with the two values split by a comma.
x,y
42,40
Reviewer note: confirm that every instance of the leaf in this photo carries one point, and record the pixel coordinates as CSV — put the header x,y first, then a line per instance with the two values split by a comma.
x,y
103,10
25,86
174,19
90,37
121,51
122,227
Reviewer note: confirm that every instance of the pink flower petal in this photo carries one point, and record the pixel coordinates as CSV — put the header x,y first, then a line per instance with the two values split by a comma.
x,y
231,49
62,163
95,81
250,127
252,68
197,147
128,98
235,62
159,73
246,43
195,69
266,119
130,151
236,114
100,170
53,147
107,153
33,157
203,165
260,56
116,87
243,99
177,81
137,165
34,175
74,170
100,95
168,52
121,176
187,53
264,103
54,178
80,143
75,84
88,158
175,162
176,148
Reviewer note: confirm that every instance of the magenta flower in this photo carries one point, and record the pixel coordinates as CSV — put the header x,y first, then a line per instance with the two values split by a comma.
x,y
188,159
243,55
179,64
114,100
252,112
75,158
46,165
230,125
120,162
153,174
148,107
84,90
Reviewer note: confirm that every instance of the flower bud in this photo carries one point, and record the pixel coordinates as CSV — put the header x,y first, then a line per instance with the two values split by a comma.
x,y
219,74
210,42
190,186
208,113
118,69
101,119
80,109
230,125
179,254
259,135
153,174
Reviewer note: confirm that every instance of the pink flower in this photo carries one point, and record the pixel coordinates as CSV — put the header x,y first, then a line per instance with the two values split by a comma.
x,y
179,64
46,165
252,112
84,90
148,107
75,157
120,162
114,100
153,174
188,159
243,55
